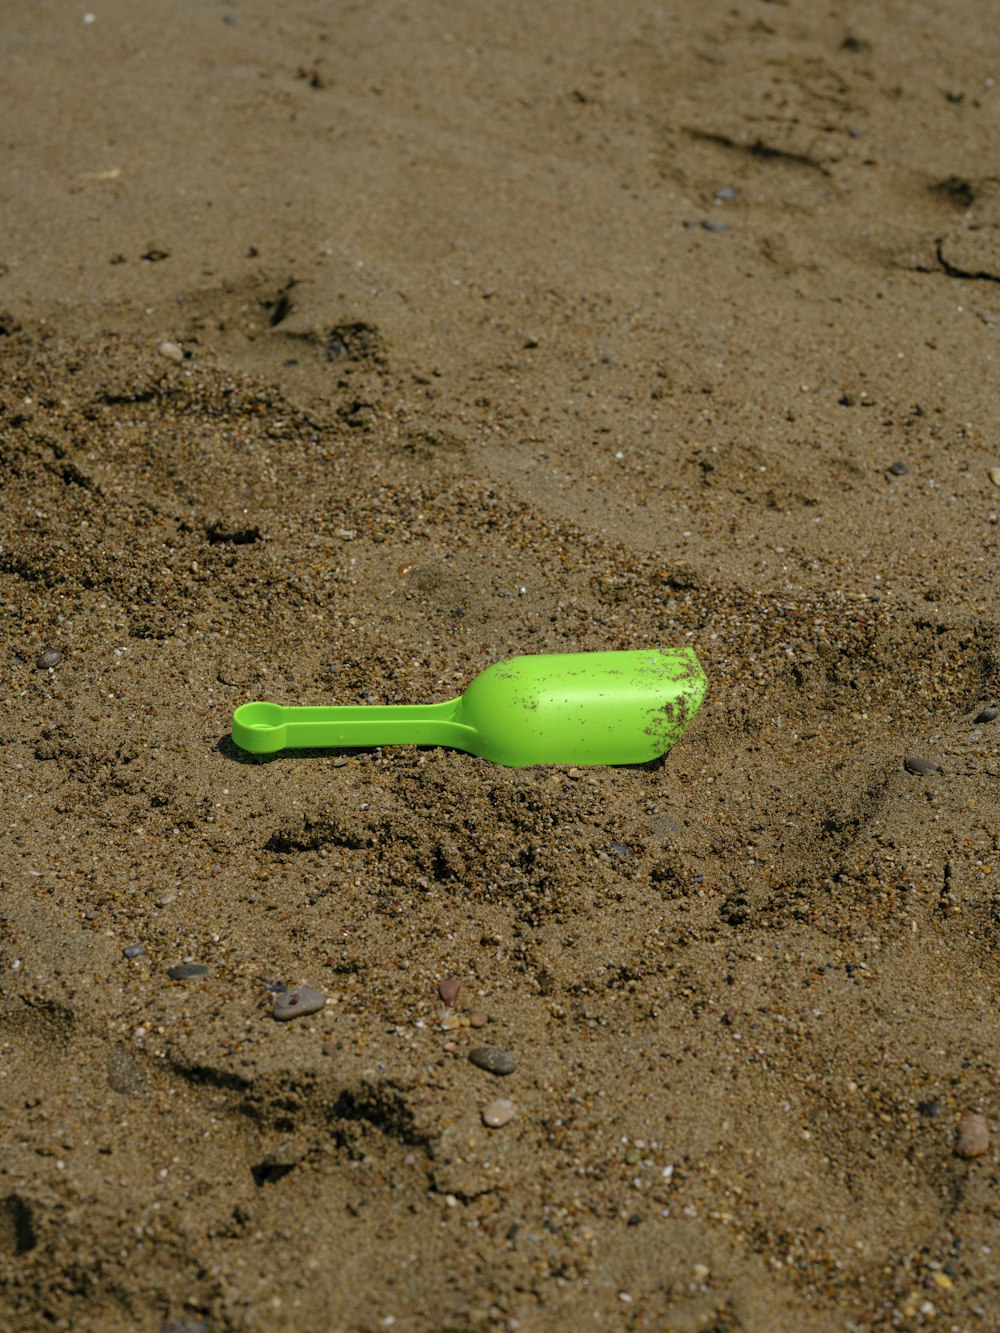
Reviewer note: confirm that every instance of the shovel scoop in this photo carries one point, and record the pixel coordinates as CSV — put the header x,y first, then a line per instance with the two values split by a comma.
x,y
548,708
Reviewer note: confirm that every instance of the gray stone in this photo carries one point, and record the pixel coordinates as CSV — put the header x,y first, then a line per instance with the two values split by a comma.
x,y
134,951
187,971
493,1060
923,767
986,715
297,1002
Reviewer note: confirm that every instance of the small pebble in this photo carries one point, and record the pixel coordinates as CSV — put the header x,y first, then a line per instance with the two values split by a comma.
x,y
125,1072
171,351
914,764
448,990
296,1002
995,475
134,951
727,192
451,1022
973,1135
710,224
478,1019
493,1060
987,715
899,468
48,657
497,1113
187,971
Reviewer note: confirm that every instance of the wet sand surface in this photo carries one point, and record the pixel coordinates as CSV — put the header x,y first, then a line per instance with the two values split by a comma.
x,y
349,349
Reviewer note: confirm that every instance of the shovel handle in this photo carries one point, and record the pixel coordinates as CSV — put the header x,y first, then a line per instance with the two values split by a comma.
x,y
266,728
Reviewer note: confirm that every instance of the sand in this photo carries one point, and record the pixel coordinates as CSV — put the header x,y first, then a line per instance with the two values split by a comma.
x,y
348,349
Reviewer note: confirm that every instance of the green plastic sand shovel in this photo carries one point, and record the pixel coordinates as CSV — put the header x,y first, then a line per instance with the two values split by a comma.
x,y
551,708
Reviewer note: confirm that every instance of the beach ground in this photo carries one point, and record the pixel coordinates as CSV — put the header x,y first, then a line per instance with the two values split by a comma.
x,y
347,350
